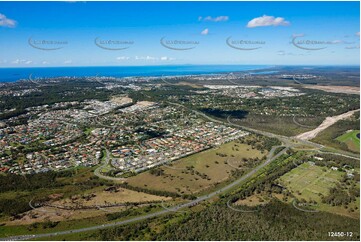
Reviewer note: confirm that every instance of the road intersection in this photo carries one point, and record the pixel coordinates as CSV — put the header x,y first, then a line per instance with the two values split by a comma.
x,y
287,143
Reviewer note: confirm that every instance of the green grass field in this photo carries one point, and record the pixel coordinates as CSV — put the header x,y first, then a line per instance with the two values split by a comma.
x,y
351,140
308,181
217,169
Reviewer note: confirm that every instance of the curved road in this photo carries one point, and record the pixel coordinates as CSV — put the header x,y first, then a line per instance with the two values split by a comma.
x,y
269,159
98,173
288,143
302,125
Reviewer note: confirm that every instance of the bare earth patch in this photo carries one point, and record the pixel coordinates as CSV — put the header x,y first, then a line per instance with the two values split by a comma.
x,y
252,201
335,89
121,100
107,198
53,214
101,198
325,124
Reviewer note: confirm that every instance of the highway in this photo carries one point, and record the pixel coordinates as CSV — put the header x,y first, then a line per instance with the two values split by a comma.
x,y
269,159
288,142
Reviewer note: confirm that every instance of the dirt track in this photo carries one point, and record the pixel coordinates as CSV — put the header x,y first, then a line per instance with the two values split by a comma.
x,y
325,124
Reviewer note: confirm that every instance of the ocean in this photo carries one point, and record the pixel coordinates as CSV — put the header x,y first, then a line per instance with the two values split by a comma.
x,y
15,74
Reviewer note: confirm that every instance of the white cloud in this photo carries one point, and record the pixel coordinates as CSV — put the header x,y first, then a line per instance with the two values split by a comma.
x,y
6,22
68,62
205,32
146,58
21,61
166,58
337,41
267,21
153,58
215,19
284,53
17,61
358,34
123,58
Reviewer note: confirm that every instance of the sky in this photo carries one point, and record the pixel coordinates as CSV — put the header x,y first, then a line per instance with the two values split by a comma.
x,y
44,34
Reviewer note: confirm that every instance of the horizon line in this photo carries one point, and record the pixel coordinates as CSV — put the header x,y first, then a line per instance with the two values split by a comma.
x,y
270,65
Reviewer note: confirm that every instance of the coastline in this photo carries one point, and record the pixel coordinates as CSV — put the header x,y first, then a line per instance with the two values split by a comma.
x,y
8,75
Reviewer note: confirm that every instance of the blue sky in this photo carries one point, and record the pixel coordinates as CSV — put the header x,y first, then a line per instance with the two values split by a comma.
x,y
273,33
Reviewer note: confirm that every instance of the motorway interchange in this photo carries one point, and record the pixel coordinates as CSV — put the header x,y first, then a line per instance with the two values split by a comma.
x,y
287,143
